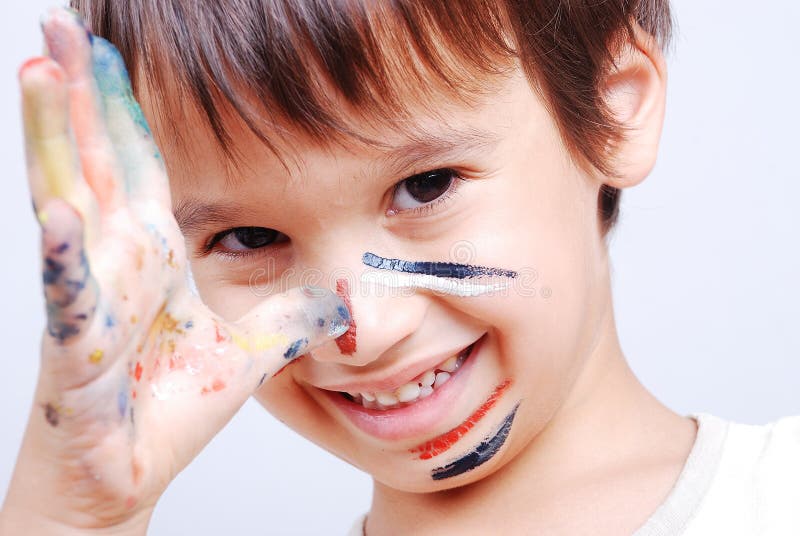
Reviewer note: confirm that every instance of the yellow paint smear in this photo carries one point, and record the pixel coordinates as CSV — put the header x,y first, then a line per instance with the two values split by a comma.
x,y
96,356
260,343
157,335
56,162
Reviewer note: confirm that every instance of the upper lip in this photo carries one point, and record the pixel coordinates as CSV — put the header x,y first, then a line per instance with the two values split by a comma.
x,y
382,382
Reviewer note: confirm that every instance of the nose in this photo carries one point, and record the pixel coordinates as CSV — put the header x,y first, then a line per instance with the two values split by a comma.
x,y
380,319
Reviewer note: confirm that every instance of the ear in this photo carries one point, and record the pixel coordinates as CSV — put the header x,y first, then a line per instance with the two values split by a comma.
x,y
635,93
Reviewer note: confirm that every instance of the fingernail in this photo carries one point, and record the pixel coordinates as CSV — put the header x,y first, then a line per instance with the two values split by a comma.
x,y
30,63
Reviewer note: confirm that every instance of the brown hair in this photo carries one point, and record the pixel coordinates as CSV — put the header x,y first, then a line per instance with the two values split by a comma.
x,y
371,52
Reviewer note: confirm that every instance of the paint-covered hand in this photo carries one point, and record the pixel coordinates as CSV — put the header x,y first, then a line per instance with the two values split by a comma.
x,y
137,375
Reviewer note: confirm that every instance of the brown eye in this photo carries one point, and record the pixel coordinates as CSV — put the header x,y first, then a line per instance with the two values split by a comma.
x,y
422,189
247,238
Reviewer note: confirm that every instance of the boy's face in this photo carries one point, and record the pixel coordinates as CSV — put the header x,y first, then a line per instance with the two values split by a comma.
x,y
519,204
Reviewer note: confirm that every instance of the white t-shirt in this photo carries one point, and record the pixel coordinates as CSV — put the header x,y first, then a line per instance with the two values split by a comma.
x,y
739,480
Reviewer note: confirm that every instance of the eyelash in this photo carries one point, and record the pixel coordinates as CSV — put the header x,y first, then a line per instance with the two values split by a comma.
x,y
435,205
421,211
230,256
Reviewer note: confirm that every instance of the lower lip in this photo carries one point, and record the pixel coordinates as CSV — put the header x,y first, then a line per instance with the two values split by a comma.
x,y
413,420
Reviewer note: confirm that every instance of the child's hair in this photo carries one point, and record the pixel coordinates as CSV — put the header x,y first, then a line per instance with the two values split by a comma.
x,y
279,59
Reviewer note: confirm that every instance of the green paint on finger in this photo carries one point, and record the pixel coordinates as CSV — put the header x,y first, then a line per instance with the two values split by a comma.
x,y
113,80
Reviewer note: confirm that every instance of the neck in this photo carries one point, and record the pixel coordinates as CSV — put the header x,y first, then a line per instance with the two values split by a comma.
x,y
607,424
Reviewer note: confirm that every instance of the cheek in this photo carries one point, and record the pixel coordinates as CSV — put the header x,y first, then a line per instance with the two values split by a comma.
x,y
292,406
285,401
229,301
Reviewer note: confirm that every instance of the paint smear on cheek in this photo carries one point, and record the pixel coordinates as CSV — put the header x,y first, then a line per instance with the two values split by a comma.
x,y
440,444
436,269
484,452
347,341
461,280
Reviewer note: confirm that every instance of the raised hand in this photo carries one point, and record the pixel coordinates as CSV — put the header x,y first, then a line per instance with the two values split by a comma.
x,y
137,375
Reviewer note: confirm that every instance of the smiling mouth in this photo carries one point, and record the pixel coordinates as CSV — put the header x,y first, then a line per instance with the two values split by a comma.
x,y
415,390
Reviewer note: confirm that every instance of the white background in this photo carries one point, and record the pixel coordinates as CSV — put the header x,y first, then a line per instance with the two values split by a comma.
x,y
706,262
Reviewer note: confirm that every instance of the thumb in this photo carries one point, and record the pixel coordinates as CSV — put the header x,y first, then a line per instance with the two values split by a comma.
x,y
288,325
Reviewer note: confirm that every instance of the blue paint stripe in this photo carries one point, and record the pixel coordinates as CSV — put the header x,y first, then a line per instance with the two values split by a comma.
x,y
438,269
482,453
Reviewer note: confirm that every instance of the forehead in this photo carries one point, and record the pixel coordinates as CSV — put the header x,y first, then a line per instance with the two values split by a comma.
x,y
302,70
443,125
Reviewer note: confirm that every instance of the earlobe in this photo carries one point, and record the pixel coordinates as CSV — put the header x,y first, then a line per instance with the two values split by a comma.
x,y
635,93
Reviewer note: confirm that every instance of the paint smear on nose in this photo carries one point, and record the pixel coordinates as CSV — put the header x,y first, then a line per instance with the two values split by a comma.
x,y
347,341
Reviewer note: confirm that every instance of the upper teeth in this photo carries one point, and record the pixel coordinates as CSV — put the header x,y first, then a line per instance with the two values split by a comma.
x,y
414,390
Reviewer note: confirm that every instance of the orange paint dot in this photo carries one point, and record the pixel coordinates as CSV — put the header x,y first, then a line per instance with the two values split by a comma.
x,y
218,385
219,336
136,472
138,372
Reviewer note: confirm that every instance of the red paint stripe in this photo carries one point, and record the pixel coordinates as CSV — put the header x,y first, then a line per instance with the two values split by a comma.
x,y
439,444
347,341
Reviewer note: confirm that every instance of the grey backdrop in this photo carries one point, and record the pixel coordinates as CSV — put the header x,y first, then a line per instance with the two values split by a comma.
x,y
705,274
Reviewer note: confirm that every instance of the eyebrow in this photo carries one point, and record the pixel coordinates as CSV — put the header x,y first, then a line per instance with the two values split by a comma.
x,y
426,147
422,148
193,215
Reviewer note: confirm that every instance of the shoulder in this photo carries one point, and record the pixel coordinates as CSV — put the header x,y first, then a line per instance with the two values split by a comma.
x,y
769,450
776,472
358,526
756,487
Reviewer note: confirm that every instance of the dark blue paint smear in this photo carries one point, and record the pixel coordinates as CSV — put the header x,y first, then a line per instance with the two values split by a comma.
x,y
62,288
52,271
438,269
122,401
59,329
51,415
296,346
110,323
482,453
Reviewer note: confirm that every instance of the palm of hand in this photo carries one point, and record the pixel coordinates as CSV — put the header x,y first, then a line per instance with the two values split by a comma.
x,y
137,373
